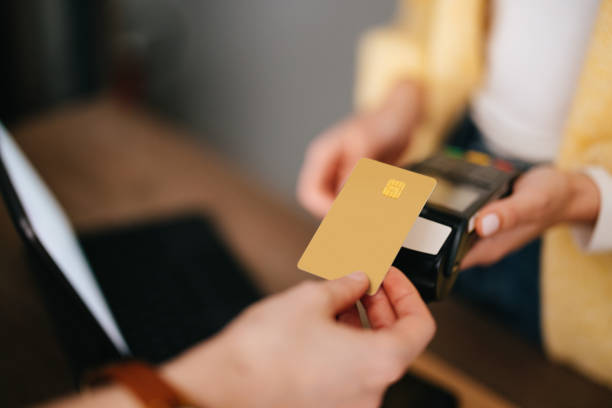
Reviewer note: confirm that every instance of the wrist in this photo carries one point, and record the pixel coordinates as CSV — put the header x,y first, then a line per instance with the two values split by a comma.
x,y
199,374
584,199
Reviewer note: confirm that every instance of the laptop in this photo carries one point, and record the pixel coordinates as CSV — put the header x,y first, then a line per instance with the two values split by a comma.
x,y
139,291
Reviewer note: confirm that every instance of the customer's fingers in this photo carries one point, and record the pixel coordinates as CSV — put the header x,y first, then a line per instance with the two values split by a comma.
x,y
379,310
338,295
403,296
415,326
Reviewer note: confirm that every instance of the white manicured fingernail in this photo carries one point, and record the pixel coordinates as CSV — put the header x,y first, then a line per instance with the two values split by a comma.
x,y
490,224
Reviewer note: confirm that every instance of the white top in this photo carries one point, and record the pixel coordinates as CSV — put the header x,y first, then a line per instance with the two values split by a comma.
x,y
535,54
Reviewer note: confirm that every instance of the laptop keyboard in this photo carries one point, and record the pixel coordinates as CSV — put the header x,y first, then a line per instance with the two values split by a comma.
x,y
169,284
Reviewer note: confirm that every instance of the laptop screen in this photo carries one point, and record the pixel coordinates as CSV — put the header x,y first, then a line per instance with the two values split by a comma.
x,y
47,222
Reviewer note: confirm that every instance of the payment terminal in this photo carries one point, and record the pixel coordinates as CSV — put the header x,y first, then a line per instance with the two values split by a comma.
x,y
444,231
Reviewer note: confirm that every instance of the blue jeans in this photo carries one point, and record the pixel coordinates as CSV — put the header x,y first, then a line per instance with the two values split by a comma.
x,y
509,289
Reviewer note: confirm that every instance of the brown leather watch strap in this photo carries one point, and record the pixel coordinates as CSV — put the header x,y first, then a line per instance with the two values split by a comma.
x,y
145,383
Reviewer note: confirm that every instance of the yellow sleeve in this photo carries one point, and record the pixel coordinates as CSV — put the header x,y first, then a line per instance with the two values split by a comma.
x,y
436,42
389,54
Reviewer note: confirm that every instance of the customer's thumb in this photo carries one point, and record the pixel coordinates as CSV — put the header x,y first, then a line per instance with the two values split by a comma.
x,y
344,292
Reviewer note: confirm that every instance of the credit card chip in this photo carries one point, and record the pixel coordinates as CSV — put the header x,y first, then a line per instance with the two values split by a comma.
x,y
394,188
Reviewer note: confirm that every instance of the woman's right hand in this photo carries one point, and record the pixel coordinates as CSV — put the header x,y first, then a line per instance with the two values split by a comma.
x,y
382,134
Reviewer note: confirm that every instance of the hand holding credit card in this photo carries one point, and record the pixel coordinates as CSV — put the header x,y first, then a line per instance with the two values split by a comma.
x,y
367,223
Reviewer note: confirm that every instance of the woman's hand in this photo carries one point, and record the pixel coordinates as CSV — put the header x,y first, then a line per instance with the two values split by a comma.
x,y
542,197
306,348
382,135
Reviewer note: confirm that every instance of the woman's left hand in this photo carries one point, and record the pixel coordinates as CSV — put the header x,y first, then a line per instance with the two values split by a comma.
x,y
542,197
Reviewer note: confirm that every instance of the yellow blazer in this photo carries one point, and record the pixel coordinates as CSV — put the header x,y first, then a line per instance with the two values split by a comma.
x,y
440,42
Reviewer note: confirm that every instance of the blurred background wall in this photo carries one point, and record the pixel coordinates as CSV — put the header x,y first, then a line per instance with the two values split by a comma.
x,y
256,78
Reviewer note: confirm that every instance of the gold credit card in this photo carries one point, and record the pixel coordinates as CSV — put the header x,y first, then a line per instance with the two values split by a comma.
x,y
367,223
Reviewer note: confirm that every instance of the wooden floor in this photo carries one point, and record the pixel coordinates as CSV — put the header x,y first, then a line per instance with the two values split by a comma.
x,y
112,165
